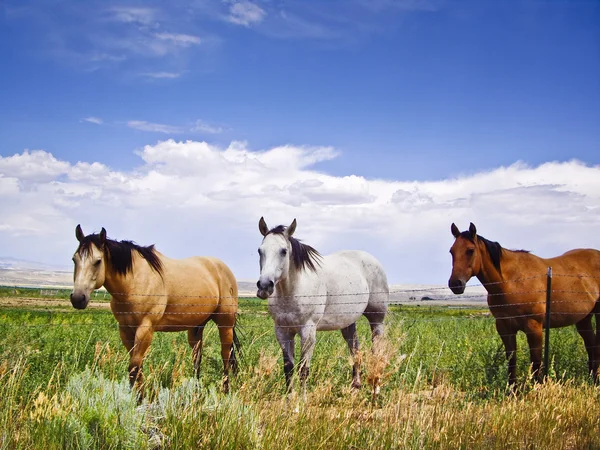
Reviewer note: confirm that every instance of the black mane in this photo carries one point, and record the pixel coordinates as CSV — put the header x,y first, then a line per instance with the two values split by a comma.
x,y
493,248
304,256
120,253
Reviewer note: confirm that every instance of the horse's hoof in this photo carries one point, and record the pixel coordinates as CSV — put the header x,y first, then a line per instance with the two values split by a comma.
x,y
356,385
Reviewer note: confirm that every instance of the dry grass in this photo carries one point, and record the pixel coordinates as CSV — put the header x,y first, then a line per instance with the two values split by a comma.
x,y
87,411
442,396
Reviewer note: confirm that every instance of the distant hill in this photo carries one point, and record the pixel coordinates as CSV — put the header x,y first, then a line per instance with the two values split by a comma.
x,y
19,272
10,263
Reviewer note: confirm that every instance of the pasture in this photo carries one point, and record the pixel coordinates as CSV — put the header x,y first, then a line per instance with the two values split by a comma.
x,y
63,384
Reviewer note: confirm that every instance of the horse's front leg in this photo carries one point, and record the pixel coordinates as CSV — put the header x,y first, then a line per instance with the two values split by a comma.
x,y
285,337
308,339
127,334
535,338
142,340
509,339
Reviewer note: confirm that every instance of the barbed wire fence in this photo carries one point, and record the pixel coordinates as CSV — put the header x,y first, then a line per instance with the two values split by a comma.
x,y
548,304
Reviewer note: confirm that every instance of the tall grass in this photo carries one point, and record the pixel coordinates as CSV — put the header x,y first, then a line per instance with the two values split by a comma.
x,y
441,375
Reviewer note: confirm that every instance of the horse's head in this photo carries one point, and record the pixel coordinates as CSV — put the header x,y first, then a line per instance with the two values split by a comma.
x,y
466,258
89,272
274,253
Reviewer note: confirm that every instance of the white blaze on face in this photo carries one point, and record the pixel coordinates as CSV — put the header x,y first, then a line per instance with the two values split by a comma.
x,y
274,254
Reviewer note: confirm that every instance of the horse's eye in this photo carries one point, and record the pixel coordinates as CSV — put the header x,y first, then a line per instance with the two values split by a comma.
x,y
97,263
283,251
470,251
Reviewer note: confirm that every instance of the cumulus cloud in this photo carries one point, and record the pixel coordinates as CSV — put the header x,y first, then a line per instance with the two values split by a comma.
x,y
196,198
35,166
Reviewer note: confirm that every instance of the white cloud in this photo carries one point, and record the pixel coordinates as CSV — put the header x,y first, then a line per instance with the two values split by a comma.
x,y
183,40
35,166
105,58
161,74
91,119
203,127
129,14
197,198
198,127
142,125
245,13
130,38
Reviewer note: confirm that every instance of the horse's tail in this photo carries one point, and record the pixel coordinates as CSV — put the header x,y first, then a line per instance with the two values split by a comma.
x,y
237,346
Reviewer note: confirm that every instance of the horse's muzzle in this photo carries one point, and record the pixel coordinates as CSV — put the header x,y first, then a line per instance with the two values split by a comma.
x,y
265,288
456,286
79,301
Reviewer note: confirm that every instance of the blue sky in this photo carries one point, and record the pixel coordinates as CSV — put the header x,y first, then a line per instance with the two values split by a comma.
x,y
407,88
420,92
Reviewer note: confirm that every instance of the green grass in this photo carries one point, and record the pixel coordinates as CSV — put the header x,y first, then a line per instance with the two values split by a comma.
x,y
30,292
63,384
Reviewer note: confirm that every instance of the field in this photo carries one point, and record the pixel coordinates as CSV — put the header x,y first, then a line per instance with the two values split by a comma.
x,y
63,384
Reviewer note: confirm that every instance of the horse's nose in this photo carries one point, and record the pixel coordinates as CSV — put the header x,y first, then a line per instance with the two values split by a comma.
x,y
457,286
78,301
262,285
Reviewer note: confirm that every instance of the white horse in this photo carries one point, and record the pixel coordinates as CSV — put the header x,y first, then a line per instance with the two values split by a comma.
x,y
318,293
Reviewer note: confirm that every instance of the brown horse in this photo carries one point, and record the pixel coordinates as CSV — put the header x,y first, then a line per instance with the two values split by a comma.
x,y
516,286
150,292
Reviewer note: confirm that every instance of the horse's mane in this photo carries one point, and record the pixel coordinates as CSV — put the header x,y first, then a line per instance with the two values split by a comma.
x,y
121,253
304,256
494,249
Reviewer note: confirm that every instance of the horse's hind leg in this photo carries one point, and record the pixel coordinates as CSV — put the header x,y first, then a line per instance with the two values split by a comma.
x,y
351,338
586,331
226,336
596,349
376,322
195,341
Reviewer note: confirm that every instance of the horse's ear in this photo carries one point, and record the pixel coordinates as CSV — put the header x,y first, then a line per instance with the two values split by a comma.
x,y
79,233
102,236
262,226
455,230
472,230
290,230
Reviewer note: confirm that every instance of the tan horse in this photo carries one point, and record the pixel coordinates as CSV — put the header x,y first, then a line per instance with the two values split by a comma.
x,y
150,292
516,286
